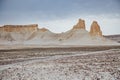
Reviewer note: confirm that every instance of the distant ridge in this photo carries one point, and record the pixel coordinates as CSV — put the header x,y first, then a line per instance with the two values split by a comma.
x,y
113,37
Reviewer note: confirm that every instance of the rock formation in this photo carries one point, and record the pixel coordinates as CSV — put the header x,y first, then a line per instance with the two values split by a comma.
x,y
31,34
43,29
19,28
80,25
17,32
95,29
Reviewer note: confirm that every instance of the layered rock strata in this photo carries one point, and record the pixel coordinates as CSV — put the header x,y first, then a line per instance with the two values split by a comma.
x,y
19,28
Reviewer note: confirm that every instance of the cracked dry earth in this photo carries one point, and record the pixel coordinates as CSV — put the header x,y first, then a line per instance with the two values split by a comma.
x,y
63,64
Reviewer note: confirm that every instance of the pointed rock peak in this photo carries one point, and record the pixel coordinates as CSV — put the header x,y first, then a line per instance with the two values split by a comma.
x,y
43,29
80,24
95,29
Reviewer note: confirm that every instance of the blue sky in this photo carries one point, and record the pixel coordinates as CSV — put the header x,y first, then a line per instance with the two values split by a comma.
x,y
61,15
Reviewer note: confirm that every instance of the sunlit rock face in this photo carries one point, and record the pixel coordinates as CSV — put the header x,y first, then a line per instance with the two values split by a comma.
x,y
95,29
19,28
17,32
80,25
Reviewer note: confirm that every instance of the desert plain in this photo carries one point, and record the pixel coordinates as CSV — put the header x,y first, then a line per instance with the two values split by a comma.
x,y
61,63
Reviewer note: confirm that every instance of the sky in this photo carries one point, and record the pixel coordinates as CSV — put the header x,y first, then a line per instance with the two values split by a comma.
x,y
61,15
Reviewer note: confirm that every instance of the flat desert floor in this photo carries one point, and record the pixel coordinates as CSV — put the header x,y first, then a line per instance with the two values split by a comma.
x,y
61,63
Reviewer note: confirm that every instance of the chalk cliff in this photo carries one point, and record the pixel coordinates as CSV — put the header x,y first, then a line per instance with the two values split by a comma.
x,y
17,32
31,34
18,28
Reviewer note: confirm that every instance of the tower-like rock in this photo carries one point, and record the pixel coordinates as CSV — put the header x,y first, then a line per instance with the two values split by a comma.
x,y
95,29
80,25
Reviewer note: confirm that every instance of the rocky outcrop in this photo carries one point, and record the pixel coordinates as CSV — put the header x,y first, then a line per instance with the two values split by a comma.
x,y
80,25
19,28
95,29
43,30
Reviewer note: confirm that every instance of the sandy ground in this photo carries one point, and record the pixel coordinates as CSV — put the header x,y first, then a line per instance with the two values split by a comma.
x,y
64,63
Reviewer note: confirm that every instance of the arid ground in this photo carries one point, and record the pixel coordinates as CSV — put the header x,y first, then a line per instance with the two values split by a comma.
x,y
64,63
